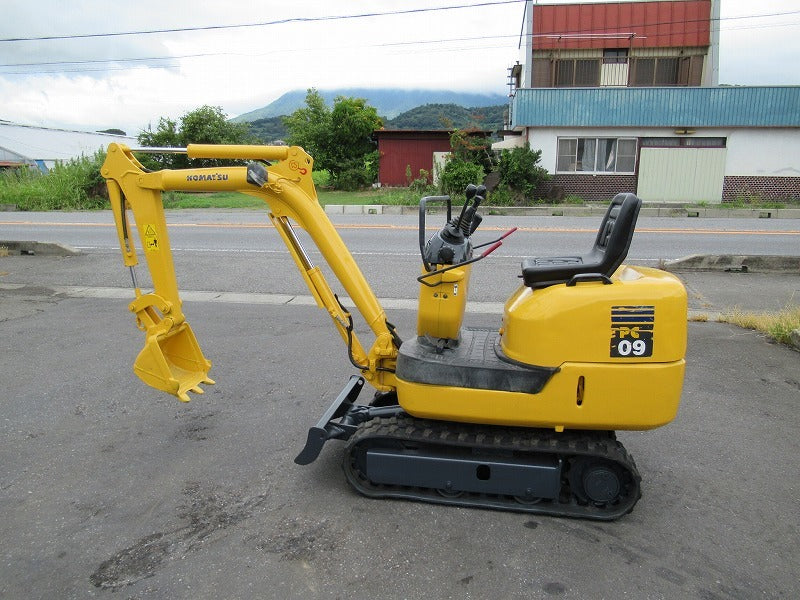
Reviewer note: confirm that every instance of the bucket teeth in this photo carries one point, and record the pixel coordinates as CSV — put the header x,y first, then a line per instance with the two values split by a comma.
x,y
173,362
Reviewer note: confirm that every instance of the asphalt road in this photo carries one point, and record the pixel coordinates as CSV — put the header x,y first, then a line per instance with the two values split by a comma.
x,y
240,251
250,231
110,489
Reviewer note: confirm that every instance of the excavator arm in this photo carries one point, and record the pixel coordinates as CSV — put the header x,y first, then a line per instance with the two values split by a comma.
x,y
171,359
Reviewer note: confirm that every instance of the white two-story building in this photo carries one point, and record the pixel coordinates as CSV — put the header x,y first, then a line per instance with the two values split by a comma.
x,y
623,97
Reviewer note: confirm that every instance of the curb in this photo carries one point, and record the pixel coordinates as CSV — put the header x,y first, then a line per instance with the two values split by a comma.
x,y
732,263
590,210
37,248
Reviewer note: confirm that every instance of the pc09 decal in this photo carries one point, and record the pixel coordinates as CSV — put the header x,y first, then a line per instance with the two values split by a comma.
x,y
632,331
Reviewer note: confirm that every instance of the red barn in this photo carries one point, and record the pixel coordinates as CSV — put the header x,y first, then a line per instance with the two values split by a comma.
x,y
405,148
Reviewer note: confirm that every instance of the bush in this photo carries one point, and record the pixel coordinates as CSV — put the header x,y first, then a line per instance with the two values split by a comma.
x,y
458,174
350,178
72,185
500,196
321,177
521,173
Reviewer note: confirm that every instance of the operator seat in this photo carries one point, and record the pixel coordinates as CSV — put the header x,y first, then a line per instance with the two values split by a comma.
x,y
609,250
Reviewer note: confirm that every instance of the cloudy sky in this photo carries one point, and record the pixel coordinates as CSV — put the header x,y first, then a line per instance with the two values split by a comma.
x,y
87,64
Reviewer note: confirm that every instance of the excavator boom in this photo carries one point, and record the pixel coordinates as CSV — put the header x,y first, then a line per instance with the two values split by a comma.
x,y
171,359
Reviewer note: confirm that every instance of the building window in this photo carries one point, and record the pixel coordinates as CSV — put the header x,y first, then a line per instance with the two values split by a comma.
x,y
587,73
565,73
615,56
667,71
643,72
580,72
596,155
626,155
663,71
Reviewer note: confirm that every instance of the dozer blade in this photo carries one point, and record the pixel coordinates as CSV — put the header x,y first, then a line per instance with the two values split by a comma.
x,y
173,362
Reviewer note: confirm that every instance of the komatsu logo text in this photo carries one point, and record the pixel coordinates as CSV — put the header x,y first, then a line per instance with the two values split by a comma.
x,y
208,177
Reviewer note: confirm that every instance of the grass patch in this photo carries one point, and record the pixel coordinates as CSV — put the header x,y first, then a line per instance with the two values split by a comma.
x,y
222,200
70,185
211,200
701,318
389,196
776,325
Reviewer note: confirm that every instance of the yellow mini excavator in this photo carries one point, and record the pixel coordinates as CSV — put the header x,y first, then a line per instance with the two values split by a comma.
x,y
518,417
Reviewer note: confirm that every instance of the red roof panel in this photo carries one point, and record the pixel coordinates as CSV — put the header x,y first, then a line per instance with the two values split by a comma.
x,y
640,24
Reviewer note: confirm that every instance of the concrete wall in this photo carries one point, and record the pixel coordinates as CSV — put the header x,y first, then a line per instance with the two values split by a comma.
x,y
763,152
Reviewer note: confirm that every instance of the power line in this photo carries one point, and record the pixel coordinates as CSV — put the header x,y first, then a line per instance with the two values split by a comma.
x,y
207,54
386,44
265,23
326,18
95,61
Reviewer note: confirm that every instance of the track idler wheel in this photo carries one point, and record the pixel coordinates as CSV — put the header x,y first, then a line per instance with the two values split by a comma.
x,y
598,482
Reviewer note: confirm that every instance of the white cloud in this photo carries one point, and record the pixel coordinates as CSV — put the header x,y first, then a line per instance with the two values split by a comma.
x,y
242,69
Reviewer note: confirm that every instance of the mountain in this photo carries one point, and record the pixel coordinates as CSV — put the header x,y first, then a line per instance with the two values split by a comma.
x,y
447,116
427,116
389,102
268,130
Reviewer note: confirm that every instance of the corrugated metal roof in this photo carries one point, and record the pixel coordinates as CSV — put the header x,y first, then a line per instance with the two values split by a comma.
x,y
657,107
41,143
637,24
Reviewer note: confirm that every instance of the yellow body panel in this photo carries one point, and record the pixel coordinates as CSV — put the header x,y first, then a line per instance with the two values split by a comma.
x,y
608,397
441,308
618,349
550,326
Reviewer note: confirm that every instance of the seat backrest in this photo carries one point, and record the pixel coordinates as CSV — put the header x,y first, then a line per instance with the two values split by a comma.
x,y
609,250
616,232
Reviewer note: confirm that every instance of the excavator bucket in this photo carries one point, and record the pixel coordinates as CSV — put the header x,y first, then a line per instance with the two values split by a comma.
x,y
173,362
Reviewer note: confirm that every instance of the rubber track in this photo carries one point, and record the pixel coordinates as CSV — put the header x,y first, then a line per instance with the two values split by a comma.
x,y
568,445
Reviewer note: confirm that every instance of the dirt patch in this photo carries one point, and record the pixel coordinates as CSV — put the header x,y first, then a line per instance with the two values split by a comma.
x,y
205,512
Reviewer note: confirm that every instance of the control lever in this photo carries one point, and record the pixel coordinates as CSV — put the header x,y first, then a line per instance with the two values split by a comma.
x,y
500,239
470,192
476,221
493,245
467,218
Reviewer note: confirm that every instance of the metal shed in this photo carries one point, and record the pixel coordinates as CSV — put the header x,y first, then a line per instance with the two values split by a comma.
x,y
408,149
43,146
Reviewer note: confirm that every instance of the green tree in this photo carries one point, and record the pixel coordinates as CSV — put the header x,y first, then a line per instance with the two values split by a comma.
x,y
310,126
204,125
469,161
472,145
166,135
457,174
340,140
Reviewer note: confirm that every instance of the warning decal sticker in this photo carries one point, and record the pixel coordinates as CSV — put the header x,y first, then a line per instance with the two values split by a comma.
x,y
632,331
150,238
